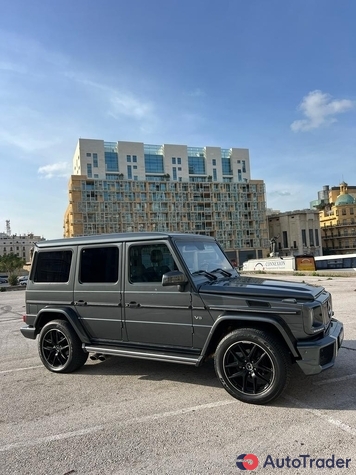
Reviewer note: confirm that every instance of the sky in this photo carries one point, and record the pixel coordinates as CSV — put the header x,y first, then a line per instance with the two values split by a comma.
x,y
276,77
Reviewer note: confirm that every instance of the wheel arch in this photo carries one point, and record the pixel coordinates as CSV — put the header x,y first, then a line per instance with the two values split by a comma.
x,y
227,323
48,314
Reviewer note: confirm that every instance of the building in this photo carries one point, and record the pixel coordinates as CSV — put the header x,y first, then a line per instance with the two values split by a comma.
x,y
337,210
20,245
295,233
131,186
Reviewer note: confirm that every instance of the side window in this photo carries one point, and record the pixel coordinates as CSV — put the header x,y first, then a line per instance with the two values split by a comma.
x,y
99,265
52,266
149,262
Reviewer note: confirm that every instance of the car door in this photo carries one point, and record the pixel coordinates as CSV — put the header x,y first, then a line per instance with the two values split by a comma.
x,y
154,314
97,291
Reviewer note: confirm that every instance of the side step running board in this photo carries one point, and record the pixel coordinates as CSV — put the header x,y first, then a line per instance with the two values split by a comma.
x,y
142,354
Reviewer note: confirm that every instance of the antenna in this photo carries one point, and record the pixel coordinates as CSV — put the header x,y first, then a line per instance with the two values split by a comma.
x,y
8,227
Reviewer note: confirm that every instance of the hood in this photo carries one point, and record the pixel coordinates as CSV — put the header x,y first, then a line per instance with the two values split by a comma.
x,y
259,287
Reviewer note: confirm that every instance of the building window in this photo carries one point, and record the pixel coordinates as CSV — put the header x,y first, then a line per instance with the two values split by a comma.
x,y
128,158
173,160
89,170
214,162
135,167
351,211
317,242
226,166
311,237
196,165
134,158
174,170
343,211
95,160
215,175
111,162
129,172
239,175
88,154
285,239
304,238
154,163
243,166
179,161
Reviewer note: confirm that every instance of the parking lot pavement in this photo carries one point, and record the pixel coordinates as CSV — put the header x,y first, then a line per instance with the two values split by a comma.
x,y
126,416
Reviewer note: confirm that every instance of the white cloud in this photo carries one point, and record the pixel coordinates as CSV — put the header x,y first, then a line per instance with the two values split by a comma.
x,y
319,110
55,170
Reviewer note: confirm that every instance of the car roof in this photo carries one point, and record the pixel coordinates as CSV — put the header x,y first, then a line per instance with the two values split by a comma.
x,y
122,237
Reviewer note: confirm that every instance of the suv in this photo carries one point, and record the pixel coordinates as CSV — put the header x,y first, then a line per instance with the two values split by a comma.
x,y
176,298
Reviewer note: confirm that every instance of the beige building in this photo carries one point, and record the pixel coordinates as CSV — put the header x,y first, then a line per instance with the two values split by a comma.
x,y
295,233
20,245
131,186
337,208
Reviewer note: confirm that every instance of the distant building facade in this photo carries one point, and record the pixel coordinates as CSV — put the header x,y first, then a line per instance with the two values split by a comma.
x,y
337,210
132,186
295,232
20,245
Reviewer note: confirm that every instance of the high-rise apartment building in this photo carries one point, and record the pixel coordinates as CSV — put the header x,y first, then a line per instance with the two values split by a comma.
x,y
131,186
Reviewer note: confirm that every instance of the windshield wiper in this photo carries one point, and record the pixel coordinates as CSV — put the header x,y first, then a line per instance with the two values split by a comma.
x,y
204,272
223,271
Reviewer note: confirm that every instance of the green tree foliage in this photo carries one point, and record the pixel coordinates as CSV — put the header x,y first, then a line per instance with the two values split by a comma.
x,y
11,264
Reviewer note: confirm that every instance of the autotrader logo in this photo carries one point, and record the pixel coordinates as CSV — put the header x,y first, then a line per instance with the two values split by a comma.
x,y
247,462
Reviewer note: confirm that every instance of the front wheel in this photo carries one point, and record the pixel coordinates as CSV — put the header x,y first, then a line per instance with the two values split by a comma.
x,y
252,365
60,348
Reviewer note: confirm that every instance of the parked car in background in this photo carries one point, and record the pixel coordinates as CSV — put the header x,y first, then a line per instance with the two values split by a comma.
x,y
3,280
22,279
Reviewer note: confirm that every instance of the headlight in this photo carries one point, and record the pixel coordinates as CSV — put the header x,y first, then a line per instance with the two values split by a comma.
x,y
314,319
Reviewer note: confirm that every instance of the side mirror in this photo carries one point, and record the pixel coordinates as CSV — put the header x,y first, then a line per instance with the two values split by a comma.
x,y
174,277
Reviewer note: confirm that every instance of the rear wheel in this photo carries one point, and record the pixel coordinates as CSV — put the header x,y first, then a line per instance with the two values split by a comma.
x,y
252,365
60,348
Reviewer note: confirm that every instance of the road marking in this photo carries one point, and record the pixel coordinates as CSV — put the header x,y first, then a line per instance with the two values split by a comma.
x,y
321,415
20,369
334,380
136,420
51,438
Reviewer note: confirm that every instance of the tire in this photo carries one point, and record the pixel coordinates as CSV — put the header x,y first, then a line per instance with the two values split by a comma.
x,y
252,365
60,348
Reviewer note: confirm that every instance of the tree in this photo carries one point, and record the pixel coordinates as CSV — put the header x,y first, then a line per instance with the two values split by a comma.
x,y
11,264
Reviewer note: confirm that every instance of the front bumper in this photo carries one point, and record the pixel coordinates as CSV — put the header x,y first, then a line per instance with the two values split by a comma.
x,y
316,356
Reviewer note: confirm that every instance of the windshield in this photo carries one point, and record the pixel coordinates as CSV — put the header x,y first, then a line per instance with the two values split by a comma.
x,y
205,256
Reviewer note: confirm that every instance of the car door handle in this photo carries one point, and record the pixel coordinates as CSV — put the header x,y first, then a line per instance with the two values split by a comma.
x,y
80,302
133,305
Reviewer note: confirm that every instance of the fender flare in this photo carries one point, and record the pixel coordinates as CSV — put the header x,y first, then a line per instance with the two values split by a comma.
x,y
250,319
70,315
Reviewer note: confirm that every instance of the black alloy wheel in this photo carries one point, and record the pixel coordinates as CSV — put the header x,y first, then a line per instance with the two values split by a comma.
x,y
252,365
60,348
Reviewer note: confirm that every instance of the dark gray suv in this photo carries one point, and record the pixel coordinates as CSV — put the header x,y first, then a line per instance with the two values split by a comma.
x,y
177,298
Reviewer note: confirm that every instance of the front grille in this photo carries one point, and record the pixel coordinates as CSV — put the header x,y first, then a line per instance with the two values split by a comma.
x,y
326,311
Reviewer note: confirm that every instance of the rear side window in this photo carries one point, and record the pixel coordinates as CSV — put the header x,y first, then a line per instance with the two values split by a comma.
x,y
52,266
99,265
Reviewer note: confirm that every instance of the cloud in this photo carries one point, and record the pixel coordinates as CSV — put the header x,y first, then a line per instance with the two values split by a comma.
x,y
277,193
319,110
55,170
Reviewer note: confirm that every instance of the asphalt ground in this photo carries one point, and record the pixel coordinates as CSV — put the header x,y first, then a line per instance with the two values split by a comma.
x,y
127,416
